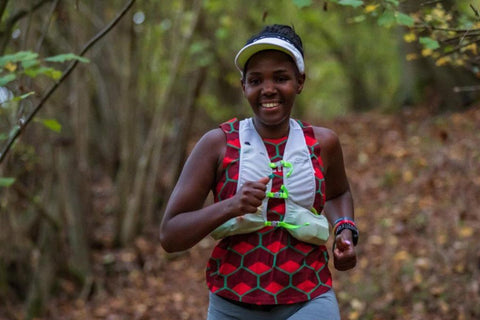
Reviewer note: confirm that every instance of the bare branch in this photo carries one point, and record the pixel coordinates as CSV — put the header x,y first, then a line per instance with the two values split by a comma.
x,y
65,74
427,3
458,48
428,27
475,11
3,6
466,88
47,24
15,17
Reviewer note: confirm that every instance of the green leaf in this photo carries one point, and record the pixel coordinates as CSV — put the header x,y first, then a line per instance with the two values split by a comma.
x,y
53,73
198,47
395,2
387,19
18,57
448,48
67,57
23,96
4,80
359,18
49,72
302,3
3,136
429,43
221,33
404,19
52,124
27,64
6,182
352,3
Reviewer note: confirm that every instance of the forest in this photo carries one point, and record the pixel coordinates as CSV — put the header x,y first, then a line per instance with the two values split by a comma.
x,y
101,103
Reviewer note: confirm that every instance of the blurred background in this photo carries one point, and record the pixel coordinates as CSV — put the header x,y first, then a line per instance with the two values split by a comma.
x,y
88,158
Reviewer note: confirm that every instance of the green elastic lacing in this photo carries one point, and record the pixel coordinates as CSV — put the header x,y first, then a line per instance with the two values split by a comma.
x,y
283,163
283,194
284,224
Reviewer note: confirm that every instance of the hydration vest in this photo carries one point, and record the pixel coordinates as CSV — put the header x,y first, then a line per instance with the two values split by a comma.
x,y
298,189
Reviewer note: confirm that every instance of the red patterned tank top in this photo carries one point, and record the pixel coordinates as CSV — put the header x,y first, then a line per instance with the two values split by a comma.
x,y
268,266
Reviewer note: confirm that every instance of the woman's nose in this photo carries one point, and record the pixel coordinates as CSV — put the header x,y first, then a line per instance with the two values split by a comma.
x,y
268,87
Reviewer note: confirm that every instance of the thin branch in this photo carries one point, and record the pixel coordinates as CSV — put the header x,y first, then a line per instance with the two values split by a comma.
x,y
466,88
458,48
470,37
65,74
15,17
427,3
427,27
47,25
3,6
475,10
22,13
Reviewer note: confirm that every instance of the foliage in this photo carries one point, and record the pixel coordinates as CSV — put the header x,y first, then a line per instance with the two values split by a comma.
x,y
28,63
448,37
418,258
6,182
13,67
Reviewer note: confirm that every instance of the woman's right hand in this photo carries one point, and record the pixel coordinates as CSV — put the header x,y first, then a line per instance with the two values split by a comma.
x,y
249,197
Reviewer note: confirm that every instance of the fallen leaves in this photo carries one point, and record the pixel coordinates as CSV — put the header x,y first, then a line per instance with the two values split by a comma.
x,y
415,179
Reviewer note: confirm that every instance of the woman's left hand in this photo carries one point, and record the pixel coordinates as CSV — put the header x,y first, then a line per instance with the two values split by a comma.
x,y
344,255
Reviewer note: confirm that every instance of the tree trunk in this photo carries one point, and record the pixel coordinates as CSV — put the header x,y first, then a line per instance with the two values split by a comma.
x,y
149,158
128,125
44,272
74,205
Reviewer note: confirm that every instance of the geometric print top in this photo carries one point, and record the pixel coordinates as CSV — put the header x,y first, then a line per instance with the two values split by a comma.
x,y
268,266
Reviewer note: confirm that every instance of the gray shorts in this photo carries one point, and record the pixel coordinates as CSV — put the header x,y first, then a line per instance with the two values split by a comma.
x,y
323,307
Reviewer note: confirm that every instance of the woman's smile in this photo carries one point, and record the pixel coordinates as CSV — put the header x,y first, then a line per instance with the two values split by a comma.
x,y
269,105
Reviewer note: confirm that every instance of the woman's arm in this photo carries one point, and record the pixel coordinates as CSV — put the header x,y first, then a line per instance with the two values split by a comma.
x,y
339,201
186,221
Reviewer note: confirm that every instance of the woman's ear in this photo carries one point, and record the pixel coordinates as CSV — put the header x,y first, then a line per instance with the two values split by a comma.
x,y
301,82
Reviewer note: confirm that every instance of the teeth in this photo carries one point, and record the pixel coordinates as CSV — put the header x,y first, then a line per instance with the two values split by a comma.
x,y
269,105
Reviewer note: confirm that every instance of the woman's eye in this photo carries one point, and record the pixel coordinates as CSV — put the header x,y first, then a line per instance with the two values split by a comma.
x,y
253,81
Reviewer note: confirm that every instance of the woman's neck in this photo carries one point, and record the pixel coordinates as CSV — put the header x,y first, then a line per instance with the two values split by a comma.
x,y
272,132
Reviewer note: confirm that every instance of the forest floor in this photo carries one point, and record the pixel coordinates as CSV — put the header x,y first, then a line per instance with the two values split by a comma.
x,y
416,183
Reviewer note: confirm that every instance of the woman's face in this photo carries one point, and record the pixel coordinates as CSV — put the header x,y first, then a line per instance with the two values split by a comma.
x,y
270,85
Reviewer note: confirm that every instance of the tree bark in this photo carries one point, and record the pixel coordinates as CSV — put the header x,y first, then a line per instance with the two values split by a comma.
x,y
148,161
44,271
129,124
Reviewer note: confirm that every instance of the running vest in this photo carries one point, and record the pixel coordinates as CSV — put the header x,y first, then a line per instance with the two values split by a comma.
x,y
298,189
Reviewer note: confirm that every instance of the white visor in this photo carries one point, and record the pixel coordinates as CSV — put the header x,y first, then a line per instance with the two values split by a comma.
x,y
270,43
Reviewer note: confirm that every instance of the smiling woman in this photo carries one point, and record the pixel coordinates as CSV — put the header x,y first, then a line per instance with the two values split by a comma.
x,y
271,176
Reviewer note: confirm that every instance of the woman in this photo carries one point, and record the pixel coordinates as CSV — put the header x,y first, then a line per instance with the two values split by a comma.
x,y
272,177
